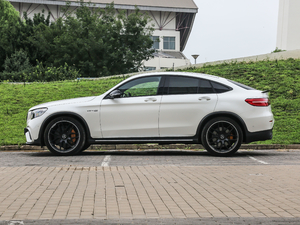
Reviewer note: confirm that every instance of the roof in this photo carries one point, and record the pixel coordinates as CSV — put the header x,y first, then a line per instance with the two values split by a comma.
x,y
186,6
169,54
155,5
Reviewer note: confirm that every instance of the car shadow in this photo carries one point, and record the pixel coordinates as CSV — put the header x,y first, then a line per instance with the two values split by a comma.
x,y
239,154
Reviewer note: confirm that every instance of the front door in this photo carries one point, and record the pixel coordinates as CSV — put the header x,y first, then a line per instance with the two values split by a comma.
x,y
135,112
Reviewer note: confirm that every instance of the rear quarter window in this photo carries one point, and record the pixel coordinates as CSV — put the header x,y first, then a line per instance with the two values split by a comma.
x,y
220,88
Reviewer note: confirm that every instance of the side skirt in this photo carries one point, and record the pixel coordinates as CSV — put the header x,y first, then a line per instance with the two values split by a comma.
x,y
183,140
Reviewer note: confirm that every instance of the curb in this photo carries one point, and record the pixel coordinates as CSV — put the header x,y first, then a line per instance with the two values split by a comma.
x,y
152,146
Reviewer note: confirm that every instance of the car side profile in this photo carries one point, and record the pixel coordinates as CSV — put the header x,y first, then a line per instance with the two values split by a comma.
x,y
162,107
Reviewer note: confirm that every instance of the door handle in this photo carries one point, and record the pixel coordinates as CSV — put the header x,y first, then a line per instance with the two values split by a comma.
x,y
204,98
150,99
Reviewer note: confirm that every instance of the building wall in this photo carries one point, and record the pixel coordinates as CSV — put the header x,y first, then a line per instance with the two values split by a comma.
x,y
288,32
164,63
168,33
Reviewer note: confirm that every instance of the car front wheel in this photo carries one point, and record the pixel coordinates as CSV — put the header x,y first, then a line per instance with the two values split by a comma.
x,y
64,136
222,136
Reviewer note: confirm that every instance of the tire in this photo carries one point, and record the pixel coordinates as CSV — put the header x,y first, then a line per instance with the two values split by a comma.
x,y
64,136
222,136
85,147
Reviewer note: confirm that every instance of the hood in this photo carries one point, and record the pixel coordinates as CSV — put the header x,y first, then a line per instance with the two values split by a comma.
x,y
64,102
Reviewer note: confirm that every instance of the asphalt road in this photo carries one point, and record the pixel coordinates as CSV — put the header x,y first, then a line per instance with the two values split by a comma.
x,y
144,158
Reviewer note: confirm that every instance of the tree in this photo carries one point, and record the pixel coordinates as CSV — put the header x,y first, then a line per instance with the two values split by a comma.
x,y
36,37
100,43
9,25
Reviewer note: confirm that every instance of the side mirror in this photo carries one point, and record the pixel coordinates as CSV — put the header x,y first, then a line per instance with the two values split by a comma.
x,y
115,94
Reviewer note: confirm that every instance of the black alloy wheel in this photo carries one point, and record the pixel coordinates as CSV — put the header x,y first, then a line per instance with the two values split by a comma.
x,y
64,136
222,136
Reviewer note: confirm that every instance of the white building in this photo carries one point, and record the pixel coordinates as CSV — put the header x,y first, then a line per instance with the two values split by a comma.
x,y
288,32
172,19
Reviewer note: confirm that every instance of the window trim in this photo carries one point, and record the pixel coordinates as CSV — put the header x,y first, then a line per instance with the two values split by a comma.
x,y
165,88
162,78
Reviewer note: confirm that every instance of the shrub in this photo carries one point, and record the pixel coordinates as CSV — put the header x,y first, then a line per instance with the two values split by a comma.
x,y
46,74
16,67
40,73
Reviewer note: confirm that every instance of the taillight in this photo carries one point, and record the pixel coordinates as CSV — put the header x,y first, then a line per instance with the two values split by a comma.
x,y
258,101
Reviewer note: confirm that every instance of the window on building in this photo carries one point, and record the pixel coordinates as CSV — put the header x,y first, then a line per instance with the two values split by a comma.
x,y
169,43
149,68
155,40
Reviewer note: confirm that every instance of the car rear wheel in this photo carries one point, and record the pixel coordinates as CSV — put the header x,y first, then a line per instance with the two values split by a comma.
x,y
222,136
64,136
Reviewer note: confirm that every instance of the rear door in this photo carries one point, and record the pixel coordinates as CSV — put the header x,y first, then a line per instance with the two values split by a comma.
x,y
185,102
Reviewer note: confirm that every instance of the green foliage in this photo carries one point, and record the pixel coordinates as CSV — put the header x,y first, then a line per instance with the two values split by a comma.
x,y
46,74
41,73
9,24
277,50
93,40
17,62
36,37
100,44
16,67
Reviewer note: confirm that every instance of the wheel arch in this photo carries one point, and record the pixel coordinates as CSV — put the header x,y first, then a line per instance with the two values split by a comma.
x,y
231,115
61,114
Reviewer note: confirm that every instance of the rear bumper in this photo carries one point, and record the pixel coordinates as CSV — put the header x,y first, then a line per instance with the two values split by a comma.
x,y
258,136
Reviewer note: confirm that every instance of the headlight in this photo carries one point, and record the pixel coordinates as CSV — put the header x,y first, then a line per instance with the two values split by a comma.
x,y
36,113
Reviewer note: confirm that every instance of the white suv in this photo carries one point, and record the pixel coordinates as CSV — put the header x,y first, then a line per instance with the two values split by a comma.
x,y
166,107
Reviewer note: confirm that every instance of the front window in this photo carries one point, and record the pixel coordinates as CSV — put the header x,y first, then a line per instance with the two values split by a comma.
x,y
169,43
145,86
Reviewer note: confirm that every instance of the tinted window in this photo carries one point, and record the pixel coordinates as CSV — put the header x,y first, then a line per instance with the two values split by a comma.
x,y
220,88
141,87
183,85
205,87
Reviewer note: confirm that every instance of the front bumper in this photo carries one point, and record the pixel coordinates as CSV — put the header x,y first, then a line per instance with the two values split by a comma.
x,y
29,139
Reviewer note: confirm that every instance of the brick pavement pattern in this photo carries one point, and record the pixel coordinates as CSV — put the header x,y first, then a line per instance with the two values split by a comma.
x,y
137,192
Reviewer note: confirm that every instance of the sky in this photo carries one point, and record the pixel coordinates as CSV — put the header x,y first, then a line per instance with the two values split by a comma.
x,y
227,29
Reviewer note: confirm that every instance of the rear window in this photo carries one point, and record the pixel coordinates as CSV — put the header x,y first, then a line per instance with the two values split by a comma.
x,y
183,85
191,85
242,85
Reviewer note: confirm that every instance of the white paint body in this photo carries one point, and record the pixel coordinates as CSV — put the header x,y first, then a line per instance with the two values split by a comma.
x,y
156,116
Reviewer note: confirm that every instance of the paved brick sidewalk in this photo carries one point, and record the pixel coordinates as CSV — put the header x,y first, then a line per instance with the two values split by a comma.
x,y
149,192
